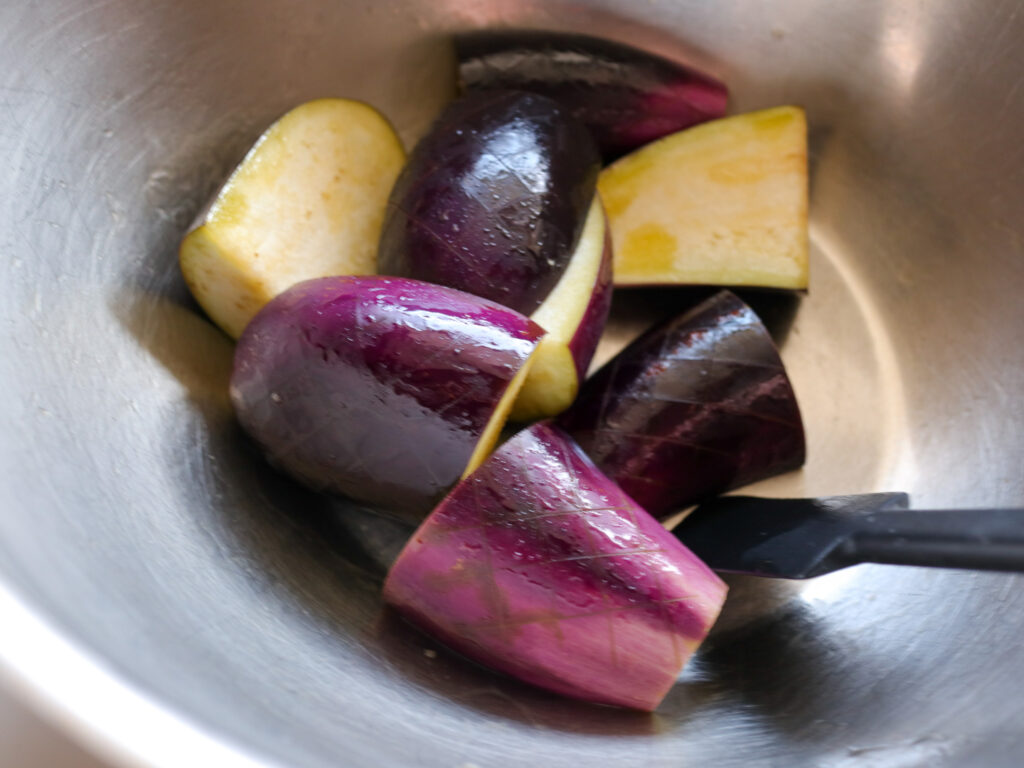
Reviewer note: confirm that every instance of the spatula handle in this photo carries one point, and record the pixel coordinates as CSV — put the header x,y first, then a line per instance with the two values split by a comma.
x,y
982,539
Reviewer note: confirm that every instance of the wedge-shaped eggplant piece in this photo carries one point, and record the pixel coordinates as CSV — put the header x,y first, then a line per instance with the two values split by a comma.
x,y
694,407
385,390
493,199
574,316
539,566
724,203
307,201
626,96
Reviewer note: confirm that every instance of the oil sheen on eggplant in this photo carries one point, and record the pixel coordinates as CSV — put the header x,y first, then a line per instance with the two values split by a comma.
x,y
539,566
377,388
493,199
626,96
694,407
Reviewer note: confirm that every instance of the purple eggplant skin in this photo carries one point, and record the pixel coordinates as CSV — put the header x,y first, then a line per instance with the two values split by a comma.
x,y
626,96
493,199
694,407
539,566
376,388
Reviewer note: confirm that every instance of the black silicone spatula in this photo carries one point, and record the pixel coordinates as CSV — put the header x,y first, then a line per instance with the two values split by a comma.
x,y
801,538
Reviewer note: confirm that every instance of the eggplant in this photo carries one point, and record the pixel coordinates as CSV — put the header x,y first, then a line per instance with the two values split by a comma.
x,y
539,566
385,390
307,201
626,96
696,406
574,316
493,199
724,203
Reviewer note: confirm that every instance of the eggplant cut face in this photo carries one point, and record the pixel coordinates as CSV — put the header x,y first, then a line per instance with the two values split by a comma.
x,y
724,203
307,201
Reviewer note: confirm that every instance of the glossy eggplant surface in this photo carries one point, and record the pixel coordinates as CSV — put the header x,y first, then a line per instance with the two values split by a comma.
x,y
539,566
493,199
694,407
376,388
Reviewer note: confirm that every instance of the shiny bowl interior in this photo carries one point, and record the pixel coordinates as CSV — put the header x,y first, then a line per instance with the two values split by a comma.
x,y
183,605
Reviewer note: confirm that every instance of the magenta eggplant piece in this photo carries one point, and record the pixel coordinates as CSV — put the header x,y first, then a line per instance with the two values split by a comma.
x,y
493,199
539,566
626,96
379,389
693,408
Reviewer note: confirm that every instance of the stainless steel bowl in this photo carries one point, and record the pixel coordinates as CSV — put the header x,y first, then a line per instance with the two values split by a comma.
x,y
183,606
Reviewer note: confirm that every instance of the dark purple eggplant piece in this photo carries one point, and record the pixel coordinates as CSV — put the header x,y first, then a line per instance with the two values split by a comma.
x,y
493,199
693,408
380,389
539,566
626,96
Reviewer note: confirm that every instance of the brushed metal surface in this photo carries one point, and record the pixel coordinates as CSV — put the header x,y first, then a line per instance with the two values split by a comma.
x,y
181,597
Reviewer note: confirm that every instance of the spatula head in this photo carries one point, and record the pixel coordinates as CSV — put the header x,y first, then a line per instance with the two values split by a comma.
x,y
781,538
